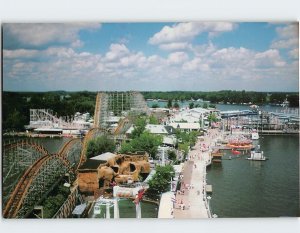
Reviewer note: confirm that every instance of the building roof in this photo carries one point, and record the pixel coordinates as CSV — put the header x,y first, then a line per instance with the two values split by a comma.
x,y
48,129
156,129
91,164
129,131
200,110
170,129
168,140
185,125
104,157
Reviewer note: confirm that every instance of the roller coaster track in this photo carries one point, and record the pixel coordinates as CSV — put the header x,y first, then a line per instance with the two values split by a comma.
x,y
36,181
97,111
22,143
17,157
30,189
90,135
67,147
121,126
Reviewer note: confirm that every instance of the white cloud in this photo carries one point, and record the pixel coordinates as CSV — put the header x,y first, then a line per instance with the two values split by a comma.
x,y
38,34
119,68
177,58
186,31
269,58
294,53
288,37
19,53
285,43
116,51
196,64
288,31
175,46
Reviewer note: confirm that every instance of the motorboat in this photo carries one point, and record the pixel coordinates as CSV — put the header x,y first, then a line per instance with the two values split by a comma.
x,y
257,154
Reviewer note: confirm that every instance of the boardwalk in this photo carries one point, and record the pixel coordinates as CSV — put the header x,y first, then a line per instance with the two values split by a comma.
x,y
191,200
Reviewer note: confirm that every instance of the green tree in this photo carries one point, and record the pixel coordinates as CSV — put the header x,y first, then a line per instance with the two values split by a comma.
x,y
176,105
153,120
187,137
294,100
172,155
15,120
204,105
161,180
155,106
169,103
185,147
212,118
191,105
100,145
145,142
139,127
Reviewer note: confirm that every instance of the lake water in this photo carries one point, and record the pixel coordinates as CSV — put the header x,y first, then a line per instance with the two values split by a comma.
x,y
228,107
243,188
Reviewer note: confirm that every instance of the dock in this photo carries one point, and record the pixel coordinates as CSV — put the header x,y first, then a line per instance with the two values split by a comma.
x,y
192,200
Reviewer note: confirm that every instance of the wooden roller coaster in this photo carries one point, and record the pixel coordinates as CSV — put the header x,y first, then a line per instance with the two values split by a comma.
x,y
22,189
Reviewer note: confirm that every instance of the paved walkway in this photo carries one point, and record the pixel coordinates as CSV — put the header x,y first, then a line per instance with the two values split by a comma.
x,y
166,205
191,201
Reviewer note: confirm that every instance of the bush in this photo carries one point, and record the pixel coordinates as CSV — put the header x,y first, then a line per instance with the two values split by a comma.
x,y
161,180
146,142
100,145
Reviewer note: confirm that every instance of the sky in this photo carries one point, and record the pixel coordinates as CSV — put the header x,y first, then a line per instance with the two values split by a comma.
x,y
187,56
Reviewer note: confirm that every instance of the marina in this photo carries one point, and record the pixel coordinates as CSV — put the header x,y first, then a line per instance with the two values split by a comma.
x,y
245,188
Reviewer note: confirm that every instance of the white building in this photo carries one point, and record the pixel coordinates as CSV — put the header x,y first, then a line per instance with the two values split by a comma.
x,y
188,127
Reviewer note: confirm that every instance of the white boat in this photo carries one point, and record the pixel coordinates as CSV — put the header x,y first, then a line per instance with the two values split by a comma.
x,y
254,136
257,154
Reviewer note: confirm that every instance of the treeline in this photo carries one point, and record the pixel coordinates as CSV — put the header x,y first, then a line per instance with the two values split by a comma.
x,y
16,105
228,96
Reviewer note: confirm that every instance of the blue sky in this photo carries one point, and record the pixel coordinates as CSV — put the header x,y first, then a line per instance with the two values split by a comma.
x,y
190,56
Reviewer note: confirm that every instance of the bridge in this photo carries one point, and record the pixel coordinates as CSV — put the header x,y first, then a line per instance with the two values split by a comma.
x,y
237,113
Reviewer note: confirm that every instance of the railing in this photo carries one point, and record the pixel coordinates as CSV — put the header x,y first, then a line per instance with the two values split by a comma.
x,y
67,207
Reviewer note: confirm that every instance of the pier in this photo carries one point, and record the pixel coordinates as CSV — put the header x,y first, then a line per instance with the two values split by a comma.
x,y
191,199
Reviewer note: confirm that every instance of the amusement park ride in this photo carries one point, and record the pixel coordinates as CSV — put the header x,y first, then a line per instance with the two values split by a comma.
x,y
30,172
119,193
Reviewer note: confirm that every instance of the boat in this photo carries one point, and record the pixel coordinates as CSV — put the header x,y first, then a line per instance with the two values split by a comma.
x,y
254,136
235,152
257,154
